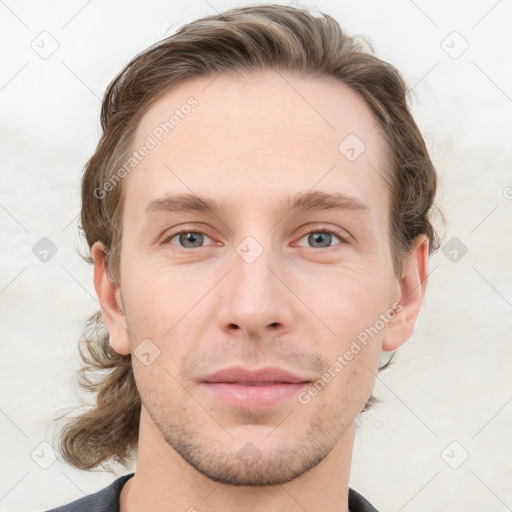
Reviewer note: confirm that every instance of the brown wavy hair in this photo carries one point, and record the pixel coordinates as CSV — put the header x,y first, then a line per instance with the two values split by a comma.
x,y
245,39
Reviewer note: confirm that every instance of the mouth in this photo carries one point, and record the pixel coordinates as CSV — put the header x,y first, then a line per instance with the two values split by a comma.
x,y
253,389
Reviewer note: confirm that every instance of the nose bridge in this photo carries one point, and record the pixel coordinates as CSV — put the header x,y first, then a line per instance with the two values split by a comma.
x,y
255,299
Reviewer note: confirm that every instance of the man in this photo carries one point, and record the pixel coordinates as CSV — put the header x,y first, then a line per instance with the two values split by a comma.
x,y
257,211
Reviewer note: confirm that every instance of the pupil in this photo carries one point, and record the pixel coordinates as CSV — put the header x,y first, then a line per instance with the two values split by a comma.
x,y
320,238
190,238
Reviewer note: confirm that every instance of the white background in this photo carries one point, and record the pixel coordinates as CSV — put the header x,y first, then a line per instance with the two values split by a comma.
x,y
452,381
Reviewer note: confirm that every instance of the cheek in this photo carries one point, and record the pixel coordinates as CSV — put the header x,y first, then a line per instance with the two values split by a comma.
x,y
355,386
156,296
352,360
350,299
344,388
353,309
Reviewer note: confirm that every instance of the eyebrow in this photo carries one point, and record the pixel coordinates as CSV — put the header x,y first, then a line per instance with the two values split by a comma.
x,y
307,201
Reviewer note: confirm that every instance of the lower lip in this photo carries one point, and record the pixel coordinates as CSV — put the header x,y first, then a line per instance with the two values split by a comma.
x,y
253,397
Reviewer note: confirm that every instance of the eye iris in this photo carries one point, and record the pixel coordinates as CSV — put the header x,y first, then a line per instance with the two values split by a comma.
x,y
192,238
321,237
196,239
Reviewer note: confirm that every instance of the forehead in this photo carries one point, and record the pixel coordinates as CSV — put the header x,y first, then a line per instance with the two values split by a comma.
x,y
273,132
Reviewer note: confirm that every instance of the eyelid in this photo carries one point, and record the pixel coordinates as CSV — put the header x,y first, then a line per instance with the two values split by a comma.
x,y
170,234
320,228
342,235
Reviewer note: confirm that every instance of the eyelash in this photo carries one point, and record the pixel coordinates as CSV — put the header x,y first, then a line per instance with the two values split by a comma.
x,y
325,229
315,229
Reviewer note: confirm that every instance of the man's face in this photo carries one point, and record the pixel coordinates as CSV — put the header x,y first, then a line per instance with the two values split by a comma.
x,y
257,283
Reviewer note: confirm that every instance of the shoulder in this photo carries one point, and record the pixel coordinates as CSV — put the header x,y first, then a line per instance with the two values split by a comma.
x,y
106,500
357,503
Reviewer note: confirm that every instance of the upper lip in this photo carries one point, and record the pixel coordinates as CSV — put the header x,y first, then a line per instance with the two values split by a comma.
x,y
241,375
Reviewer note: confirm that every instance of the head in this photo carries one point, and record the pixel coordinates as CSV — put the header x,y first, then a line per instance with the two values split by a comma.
x,y
286,153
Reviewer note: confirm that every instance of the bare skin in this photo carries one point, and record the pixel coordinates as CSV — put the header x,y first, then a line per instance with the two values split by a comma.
x,y
249,144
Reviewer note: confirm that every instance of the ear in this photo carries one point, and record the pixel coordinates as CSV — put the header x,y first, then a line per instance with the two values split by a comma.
x,y
413,283
110,301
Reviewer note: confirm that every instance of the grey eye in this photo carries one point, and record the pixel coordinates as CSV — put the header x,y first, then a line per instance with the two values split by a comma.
x,y
190,239
320,239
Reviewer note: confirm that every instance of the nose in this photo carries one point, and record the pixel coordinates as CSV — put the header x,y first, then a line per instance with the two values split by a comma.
x,y
254,298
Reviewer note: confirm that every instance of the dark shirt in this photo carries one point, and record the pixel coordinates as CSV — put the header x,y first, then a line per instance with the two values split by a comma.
x,y
107,500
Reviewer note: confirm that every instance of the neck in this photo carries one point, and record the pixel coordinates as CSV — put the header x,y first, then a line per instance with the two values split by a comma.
x,y
165,481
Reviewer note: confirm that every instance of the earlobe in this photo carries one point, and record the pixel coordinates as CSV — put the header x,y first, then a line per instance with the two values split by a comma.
x,y
413,283
110,301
